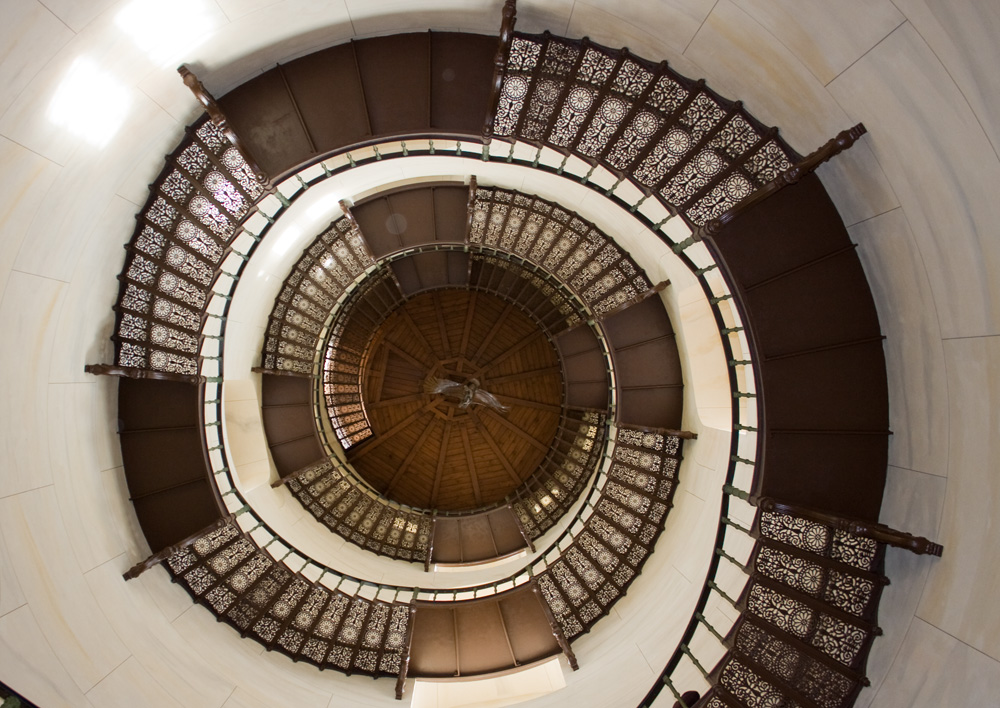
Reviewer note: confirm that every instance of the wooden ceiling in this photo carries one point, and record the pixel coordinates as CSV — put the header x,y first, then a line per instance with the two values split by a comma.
x,y
426,450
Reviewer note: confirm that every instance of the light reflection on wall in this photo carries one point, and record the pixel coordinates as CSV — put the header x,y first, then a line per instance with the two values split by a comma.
x,y
166,31
288,238
90,103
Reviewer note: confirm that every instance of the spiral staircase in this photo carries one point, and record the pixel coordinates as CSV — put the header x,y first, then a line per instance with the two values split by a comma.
x,y
589,494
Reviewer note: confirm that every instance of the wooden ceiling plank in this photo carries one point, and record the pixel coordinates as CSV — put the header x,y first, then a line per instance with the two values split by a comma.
x,y
496,448
372,443
471,460
520,432
382,366
507,354
522,375
395,401
497,326
404,312
467,328
436,487
409,458
514,400
408,357
442,326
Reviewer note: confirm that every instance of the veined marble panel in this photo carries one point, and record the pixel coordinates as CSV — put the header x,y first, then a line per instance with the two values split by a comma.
x,y
961,592
56,114
77,15
30,36
741,59
122,517
243,346
691,524
913,502
24,181
918,391
826,36
31,668
163,593
243,698
77,201
241,390
270,676
130,685
653,30
703,360
11,596
155,645
372,17
942,168
855,181
622,660
27,315
79,417
86,320
658,640
704,480
934,669
134,187
167,90
963,35
68,615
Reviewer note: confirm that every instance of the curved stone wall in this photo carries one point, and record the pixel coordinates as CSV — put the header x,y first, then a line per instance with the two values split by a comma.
x,y
916,197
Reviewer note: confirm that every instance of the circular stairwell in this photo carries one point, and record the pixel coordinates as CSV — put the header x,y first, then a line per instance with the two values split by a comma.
x,y
808,316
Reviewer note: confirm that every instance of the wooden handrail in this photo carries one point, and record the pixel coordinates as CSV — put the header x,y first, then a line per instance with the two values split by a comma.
x,y
131,372
875,531
139,568
217,117
500,66
295,474
404,664
557,630
833,147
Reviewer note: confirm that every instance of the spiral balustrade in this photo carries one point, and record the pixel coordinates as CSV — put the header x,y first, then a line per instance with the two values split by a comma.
x,y
809,570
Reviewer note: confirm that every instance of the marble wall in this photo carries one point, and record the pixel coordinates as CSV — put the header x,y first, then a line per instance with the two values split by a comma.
x,y
918,194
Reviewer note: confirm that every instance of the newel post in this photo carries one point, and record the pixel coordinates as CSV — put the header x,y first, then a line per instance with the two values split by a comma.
x,y
868,529
218,118
139,568
500,66
833,147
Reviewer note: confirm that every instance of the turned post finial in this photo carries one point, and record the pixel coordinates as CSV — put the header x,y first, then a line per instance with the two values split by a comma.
x,y
218,118
831,148
858,527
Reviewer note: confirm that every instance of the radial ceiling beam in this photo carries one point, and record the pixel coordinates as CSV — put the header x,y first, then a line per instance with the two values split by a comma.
x,y
528,404
471,461
518,431
467,327
442,326
372,443
497,326
495,448
409,458
409,357
439,472
420,335
506,355
523,375
382,403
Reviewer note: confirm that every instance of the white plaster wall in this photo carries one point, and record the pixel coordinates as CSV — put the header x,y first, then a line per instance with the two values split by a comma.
x,y
918,195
